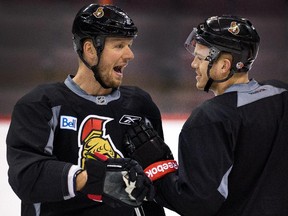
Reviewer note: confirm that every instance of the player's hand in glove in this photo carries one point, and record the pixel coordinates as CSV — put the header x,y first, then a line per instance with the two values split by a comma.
x,y
143,144
109,179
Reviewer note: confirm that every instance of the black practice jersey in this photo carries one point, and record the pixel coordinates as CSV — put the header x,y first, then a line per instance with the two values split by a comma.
x,y
51,130
233,155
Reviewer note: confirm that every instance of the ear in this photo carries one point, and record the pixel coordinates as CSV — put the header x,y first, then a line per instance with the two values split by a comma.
x,y
226,65
89,49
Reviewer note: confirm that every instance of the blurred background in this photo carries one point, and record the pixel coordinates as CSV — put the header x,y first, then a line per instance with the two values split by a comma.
x,y
36,45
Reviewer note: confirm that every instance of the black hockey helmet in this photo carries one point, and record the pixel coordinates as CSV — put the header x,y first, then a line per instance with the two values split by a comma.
x,y
96,22
230,34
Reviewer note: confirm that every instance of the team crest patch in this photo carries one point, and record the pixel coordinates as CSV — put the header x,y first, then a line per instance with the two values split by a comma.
x,y
99,12
234,28
129,119
93,137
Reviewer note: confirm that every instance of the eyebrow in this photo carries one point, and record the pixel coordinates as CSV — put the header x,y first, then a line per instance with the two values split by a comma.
x,y
198,54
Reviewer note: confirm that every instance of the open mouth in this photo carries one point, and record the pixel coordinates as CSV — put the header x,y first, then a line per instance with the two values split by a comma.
x,y
118,69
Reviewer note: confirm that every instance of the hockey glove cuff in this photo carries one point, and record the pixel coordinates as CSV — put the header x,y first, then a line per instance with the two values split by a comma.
x,y
159,169
144,145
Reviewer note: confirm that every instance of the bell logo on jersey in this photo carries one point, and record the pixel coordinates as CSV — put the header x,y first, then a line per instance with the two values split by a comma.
x,y
68,122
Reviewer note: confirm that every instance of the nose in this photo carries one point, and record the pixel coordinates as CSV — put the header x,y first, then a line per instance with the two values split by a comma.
x,y
194,63
128,54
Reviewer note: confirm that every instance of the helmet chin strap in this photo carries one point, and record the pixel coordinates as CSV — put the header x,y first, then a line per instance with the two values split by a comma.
x,y
94,68
210,80
97,76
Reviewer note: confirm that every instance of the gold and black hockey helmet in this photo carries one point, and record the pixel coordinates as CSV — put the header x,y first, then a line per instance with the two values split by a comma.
x,y
97,22
229,34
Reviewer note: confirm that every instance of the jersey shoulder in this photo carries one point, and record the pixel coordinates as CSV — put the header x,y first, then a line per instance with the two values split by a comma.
x,y
216,109
220,103
135,98
134,91
275,83
44,92
136,95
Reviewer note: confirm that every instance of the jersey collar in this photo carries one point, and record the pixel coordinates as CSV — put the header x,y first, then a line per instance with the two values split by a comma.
x,y
100,100
243,87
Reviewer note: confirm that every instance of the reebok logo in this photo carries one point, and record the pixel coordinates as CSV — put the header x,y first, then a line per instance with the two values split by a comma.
x,y
161,168
129,119
68,122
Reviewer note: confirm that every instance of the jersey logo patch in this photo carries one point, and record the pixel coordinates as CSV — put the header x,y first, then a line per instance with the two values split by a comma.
x,y
101,100
129,119
68,122
93,137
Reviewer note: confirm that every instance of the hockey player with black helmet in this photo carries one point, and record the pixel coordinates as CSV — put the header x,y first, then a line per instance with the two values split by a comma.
x,y
222,35
233,148
64,144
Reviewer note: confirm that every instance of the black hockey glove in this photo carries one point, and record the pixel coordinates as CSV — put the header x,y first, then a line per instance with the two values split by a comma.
x,y
143,144
116,181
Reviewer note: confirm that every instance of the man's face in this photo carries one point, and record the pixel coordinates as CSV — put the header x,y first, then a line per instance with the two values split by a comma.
x,y
200,65
219,71
114,58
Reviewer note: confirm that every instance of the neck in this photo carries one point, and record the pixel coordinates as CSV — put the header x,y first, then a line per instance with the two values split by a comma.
x,y
86,81
237,78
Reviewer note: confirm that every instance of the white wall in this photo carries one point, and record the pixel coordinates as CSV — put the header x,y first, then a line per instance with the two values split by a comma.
x,y
10,203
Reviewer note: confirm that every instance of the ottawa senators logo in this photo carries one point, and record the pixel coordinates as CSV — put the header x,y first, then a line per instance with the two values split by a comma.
x,y
99,12
92,138
234,28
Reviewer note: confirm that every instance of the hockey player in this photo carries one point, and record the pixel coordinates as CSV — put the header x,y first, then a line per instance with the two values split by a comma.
x,y
65,141
233,148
